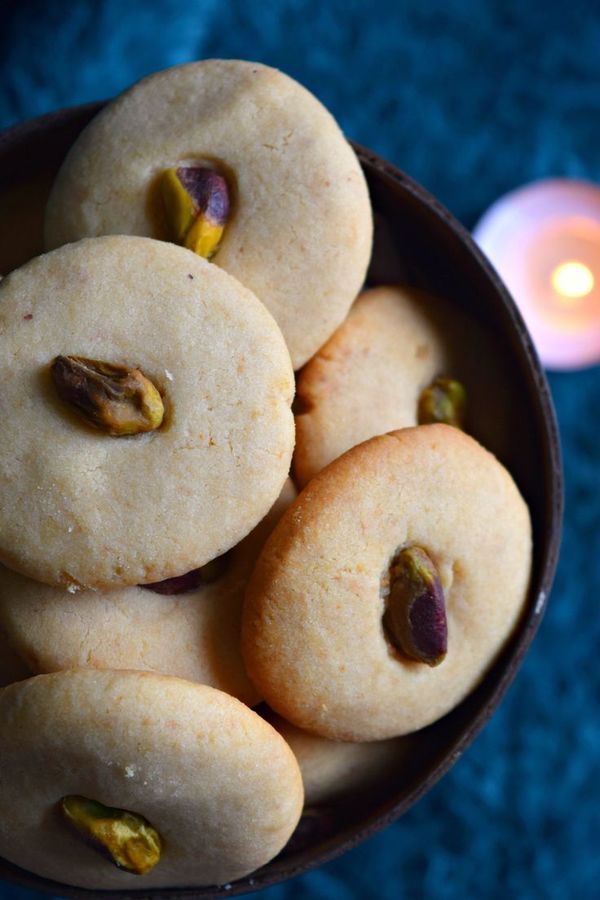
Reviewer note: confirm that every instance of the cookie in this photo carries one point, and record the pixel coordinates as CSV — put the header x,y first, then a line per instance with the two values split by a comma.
x,y
335,770
12,667
313,633
81,507
193,633
368,377
300,228
217,783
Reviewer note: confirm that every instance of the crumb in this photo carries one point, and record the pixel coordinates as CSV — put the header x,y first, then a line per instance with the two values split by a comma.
x,y
168,375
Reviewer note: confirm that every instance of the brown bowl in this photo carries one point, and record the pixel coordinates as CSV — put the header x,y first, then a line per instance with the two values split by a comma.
x,y
418,242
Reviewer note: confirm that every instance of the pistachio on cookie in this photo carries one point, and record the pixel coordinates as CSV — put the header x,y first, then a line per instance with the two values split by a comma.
x,y
444,400
105,513
128,839
196,202
415,615
108,775
402,358
114,398
342,633
215,137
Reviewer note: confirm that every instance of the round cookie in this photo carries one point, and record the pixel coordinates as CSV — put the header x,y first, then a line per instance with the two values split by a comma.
x,y
12,667
83,508
333,770
220,786
193,635
300,232
312,632
367,378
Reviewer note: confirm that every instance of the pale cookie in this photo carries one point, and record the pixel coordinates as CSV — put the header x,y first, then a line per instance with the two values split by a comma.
x,y
12,667
312,634
217,782
333,770
193,634
300,228
368,377
79,506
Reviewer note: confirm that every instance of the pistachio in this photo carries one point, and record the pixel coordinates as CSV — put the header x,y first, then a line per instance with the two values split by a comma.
x,y
415,615
443,401
113,398
127,838
191,581
196,204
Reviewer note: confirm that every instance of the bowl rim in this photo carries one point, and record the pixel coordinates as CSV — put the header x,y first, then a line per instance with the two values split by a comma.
x,y
553,514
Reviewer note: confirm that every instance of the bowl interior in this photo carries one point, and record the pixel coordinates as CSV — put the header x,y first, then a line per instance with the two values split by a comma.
x,y
416,242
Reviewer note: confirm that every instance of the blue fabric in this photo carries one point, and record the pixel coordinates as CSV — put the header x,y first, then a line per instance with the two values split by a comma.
x,y
472,99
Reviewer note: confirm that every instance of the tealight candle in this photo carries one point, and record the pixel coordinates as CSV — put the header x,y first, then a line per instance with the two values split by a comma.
x,y
544,241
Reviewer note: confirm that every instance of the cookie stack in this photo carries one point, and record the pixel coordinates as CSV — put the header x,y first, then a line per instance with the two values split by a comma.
x,y
208,234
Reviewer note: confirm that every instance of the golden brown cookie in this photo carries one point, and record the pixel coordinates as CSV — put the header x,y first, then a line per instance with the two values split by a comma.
x,y
313,632
220,787
81,507
188,627
368,377
300,227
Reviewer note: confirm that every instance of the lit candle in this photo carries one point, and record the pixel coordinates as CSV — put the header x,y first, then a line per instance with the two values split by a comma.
x,y
544,241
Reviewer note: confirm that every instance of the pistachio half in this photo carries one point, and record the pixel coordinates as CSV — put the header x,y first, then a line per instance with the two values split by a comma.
x,y
191,581
113,398
415,615
196,204
443,401
128,839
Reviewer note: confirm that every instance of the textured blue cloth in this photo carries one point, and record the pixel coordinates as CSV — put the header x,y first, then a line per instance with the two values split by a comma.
x,y
471,99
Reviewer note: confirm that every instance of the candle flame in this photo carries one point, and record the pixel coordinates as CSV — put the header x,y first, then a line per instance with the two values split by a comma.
x,y
572,280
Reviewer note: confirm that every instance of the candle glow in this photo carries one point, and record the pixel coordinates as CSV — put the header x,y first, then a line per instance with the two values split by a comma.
x,y
544,240
572,279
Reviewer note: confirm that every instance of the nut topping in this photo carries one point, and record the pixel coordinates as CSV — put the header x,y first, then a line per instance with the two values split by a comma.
x,y
415,615
191,581
126,838
443,401
196,203
113,398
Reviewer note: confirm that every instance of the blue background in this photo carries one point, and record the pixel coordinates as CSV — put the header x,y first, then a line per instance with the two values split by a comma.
x,y
471,99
